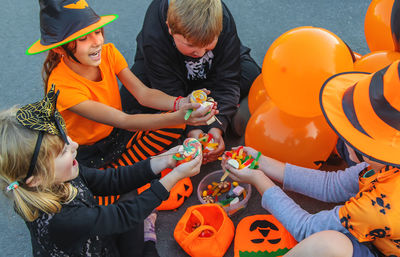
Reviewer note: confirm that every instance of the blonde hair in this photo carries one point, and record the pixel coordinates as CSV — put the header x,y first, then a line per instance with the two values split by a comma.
x,y
17,145
199,21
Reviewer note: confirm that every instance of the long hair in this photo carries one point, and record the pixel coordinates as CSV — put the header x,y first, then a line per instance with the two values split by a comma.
x,y
53,59
17,145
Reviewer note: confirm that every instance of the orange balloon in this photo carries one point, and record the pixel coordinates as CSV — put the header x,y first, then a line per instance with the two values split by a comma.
x,y
301,141
377,27
357,56
298,63
375,61
257,94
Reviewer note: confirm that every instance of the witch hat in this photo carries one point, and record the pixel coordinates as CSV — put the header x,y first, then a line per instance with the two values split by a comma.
x,y
64,21
364,110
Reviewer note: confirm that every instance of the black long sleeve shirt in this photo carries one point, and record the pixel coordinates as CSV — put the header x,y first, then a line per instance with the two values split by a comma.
x,y
82,227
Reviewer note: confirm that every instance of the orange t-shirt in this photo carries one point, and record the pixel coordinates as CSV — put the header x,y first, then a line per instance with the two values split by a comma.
x,y
374,213
75,89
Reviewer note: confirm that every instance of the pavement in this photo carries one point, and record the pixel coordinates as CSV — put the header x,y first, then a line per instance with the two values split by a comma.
x,y
259,23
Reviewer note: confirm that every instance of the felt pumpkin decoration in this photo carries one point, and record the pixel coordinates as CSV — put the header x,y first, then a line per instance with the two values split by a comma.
x,y
262,235
178,194
204,230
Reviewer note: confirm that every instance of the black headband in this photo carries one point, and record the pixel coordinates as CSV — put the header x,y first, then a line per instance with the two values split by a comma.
x,y
43,117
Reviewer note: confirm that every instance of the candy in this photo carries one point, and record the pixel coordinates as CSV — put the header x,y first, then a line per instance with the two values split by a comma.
x,y
230,195
234,163
199,96
238,190
206,233
235,201
207,141
223,193
190,149
208,199
224,185
239,159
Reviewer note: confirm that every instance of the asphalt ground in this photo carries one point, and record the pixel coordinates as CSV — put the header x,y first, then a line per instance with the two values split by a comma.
x,y
259,23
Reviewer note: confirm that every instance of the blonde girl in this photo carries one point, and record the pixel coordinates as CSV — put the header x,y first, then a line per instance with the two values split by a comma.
x,y
53,193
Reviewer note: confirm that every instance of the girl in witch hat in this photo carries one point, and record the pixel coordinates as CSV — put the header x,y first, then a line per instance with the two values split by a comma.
x,y
85,70
53,193
364,110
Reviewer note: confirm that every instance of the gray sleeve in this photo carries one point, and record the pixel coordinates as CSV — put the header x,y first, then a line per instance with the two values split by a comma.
x,y
327,186
296,220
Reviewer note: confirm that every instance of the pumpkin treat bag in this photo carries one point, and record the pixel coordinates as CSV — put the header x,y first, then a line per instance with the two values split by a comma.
x,y
189,150
262,235
204,230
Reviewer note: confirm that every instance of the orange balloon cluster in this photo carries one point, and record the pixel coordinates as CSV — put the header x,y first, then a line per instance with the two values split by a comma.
x,y
287,123
302,141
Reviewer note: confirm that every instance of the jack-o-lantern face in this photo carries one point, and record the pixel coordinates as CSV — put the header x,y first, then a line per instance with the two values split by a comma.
x,y
262,235
177,195
265,227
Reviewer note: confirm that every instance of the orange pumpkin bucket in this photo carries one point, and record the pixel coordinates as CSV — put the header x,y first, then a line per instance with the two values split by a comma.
x,y
204,230
262,235
177,195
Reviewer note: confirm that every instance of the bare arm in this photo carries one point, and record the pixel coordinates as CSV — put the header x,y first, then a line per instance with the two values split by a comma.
x,y
105,114
146,96
274,169
108,115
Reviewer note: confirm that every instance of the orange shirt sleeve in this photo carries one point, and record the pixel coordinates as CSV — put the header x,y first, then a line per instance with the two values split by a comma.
x,y
119,62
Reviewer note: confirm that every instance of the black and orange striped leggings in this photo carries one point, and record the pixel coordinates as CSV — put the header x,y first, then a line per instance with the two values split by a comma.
x,y
142,145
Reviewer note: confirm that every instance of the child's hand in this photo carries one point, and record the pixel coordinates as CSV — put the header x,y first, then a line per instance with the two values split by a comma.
x,y
217,136
272,168
184,170
214,154
244,175
164,160
198,117
169,161
257,178
189,169
250,151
